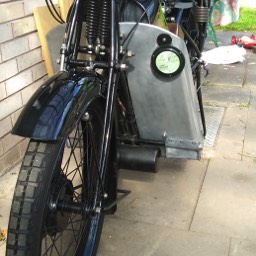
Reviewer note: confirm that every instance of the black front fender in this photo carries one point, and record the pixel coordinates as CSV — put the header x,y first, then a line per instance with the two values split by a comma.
x,y
55,108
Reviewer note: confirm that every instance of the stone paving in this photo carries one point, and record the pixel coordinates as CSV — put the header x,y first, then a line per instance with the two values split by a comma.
x,y
190,208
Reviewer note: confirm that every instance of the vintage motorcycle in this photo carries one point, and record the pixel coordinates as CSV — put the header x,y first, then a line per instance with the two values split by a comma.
x,y
128,91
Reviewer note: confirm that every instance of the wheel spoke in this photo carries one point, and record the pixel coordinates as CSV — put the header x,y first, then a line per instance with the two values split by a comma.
x,y
73,146
91,160
71,230
96,157
51,247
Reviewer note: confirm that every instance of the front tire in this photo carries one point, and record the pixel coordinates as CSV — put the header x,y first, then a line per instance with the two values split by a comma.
x,y
58,199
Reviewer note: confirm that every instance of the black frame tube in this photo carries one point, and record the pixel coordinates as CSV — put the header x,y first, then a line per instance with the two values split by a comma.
x,y
111,89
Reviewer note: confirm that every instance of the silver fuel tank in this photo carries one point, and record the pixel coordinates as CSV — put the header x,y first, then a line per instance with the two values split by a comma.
x,y
162,90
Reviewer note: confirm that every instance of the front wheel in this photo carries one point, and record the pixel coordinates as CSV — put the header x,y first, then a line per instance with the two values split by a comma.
x,y
58,199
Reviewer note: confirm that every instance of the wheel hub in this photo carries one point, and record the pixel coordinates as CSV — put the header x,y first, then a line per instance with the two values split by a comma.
x,y
57,219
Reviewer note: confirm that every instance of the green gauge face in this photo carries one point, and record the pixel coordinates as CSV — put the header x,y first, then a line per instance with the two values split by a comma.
x,y
167,62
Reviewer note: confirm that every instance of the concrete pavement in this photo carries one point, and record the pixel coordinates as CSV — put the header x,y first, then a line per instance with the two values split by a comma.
x,y
191,208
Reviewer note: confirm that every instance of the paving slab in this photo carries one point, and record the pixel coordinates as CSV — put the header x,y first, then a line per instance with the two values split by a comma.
x,y
227,203
167,198
250,79
224,96
249,150
226,75
183,243
252,106
242,248
2,248
7,184
5,206
253,101
230,140
126,237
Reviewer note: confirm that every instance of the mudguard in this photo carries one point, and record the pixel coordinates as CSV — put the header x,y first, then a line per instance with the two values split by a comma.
x,y
61,100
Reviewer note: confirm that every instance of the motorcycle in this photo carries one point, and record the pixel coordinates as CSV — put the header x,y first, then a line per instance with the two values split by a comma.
x,y
128,91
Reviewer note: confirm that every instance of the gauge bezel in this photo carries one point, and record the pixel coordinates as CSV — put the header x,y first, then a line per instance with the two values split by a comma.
x,y
174,50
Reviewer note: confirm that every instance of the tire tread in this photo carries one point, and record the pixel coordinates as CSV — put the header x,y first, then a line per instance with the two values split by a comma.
x,y
25,199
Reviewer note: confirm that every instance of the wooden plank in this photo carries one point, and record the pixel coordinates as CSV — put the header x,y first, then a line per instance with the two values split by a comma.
x,y
44,23
64,7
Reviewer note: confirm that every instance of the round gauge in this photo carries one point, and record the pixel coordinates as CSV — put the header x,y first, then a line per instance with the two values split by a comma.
x,y
168,61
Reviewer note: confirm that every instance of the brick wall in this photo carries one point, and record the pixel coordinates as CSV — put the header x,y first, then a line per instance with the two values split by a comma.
x,y
22,71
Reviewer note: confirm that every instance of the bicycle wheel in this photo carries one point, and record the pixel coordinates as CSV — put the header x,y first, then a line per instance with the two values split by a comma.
x,y
58,199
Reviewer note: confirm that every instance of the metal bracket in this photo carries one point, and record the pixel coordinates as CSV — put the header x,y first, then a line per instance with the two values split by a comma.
x,y
124,193
183,143
182,148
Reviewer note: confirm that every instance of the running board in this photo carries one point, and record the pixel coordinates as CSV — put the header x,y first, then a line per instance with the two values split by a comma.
x,y
124,193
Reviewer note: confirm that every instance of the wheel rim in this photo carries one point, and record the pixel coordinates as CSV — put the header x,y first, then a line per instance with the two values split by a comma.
x,y
69,231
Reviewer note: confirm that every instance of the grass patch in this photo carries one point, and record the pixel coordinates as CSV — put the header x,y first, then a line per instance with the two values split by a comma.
x,y
246,22
243,105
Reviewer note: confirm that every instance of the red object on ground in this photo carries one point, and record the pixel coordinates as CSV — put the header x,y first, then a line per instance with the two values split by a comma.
x,y
246,41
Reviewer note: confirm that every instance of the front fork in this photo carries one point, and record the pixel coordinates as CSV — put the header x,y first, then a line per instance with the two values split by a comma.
x,y
111,91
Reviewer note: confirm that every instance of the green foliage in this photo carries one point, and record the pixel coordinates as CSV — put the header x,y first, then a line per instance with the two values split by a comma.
x,y
246,22
243,105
